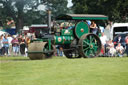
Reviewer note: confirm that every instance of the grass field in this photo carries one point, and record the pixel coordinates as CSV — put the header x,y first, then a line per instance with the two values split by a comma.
x,y
63,71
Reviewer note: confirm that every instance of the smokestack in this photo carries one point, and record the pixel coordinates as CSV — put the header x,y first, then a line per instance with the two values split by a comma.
x,y
49,21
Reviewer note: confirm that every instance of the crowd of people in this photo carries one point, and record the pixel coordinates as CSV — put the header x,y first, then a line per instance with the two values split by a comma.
x,y
114,48
109,47
13,45
18,45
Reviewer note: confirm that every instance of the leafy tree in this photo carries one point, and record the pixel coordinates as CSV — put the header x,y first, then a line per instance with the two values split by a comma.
x,y
80,6
25,12
56,6
17,9
117,10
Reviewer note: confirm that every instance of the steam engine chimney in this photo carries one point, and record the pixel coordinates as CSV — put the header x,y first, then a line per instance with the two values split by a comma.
x,y
49,21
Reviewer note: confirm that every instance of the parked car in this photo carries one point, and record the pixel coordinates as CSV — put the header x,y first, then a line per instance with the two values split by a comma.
x,y
119,29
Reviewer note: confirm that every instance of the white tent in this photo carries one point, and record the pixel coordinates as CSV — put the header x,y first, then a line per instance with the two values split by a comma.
x,y
1,33
25,28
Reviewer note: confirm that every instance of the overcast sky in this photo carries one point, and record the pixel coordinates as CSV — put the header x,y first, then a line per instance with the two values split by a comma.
x,y
42,7
69,3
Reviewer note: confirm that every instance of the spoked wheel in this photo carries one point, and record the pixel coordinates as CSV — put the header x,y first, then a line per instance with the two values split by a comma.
x,y
39,50
72,54
90,45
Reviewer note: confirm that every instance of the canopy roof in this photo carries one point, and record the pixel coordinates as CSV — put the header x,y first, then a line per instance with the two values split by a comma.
x,y
81,17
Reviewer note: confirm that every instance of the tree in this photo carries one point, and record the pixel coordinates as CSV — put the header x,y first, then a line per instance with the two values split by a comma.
x,y
25,12
117,10
16,9
56,6
80,6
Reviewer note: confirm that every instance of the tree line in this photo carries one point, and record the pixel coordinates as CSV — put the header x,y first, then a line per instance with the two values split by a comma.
x,y
117,10
27,12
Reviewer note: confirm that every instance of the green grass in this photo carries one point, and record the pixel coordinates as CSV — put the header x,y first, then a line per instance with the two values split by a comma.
x,y
63,71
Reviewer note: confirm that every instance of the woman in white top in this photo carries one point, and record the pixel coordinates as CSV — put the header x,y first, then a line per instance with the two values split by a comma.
x,y
1,44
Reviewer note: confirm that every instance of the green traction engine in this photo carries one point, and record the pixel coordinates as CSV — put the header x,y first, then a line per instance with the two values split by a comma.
x,y
76,42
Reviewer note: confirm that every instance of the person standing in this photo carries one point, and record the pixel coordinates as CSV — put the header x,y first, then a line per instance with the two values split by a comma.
x,y
5,45
27,42
15,46
22,46
93,27
103,39
10,44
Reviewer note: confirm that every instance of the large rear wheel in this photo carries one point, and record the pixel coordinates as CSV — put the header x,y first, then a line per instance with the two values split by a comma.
x,y
90,45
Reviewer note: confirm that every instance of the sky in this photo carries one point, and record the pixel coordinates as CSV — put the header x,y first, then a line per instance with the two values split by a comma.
x,y
42,7
69,3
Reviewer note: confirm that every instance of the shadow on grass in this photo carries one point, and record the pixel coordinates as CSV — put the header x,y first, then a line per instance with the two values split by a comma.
x,y
20,59
5,58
